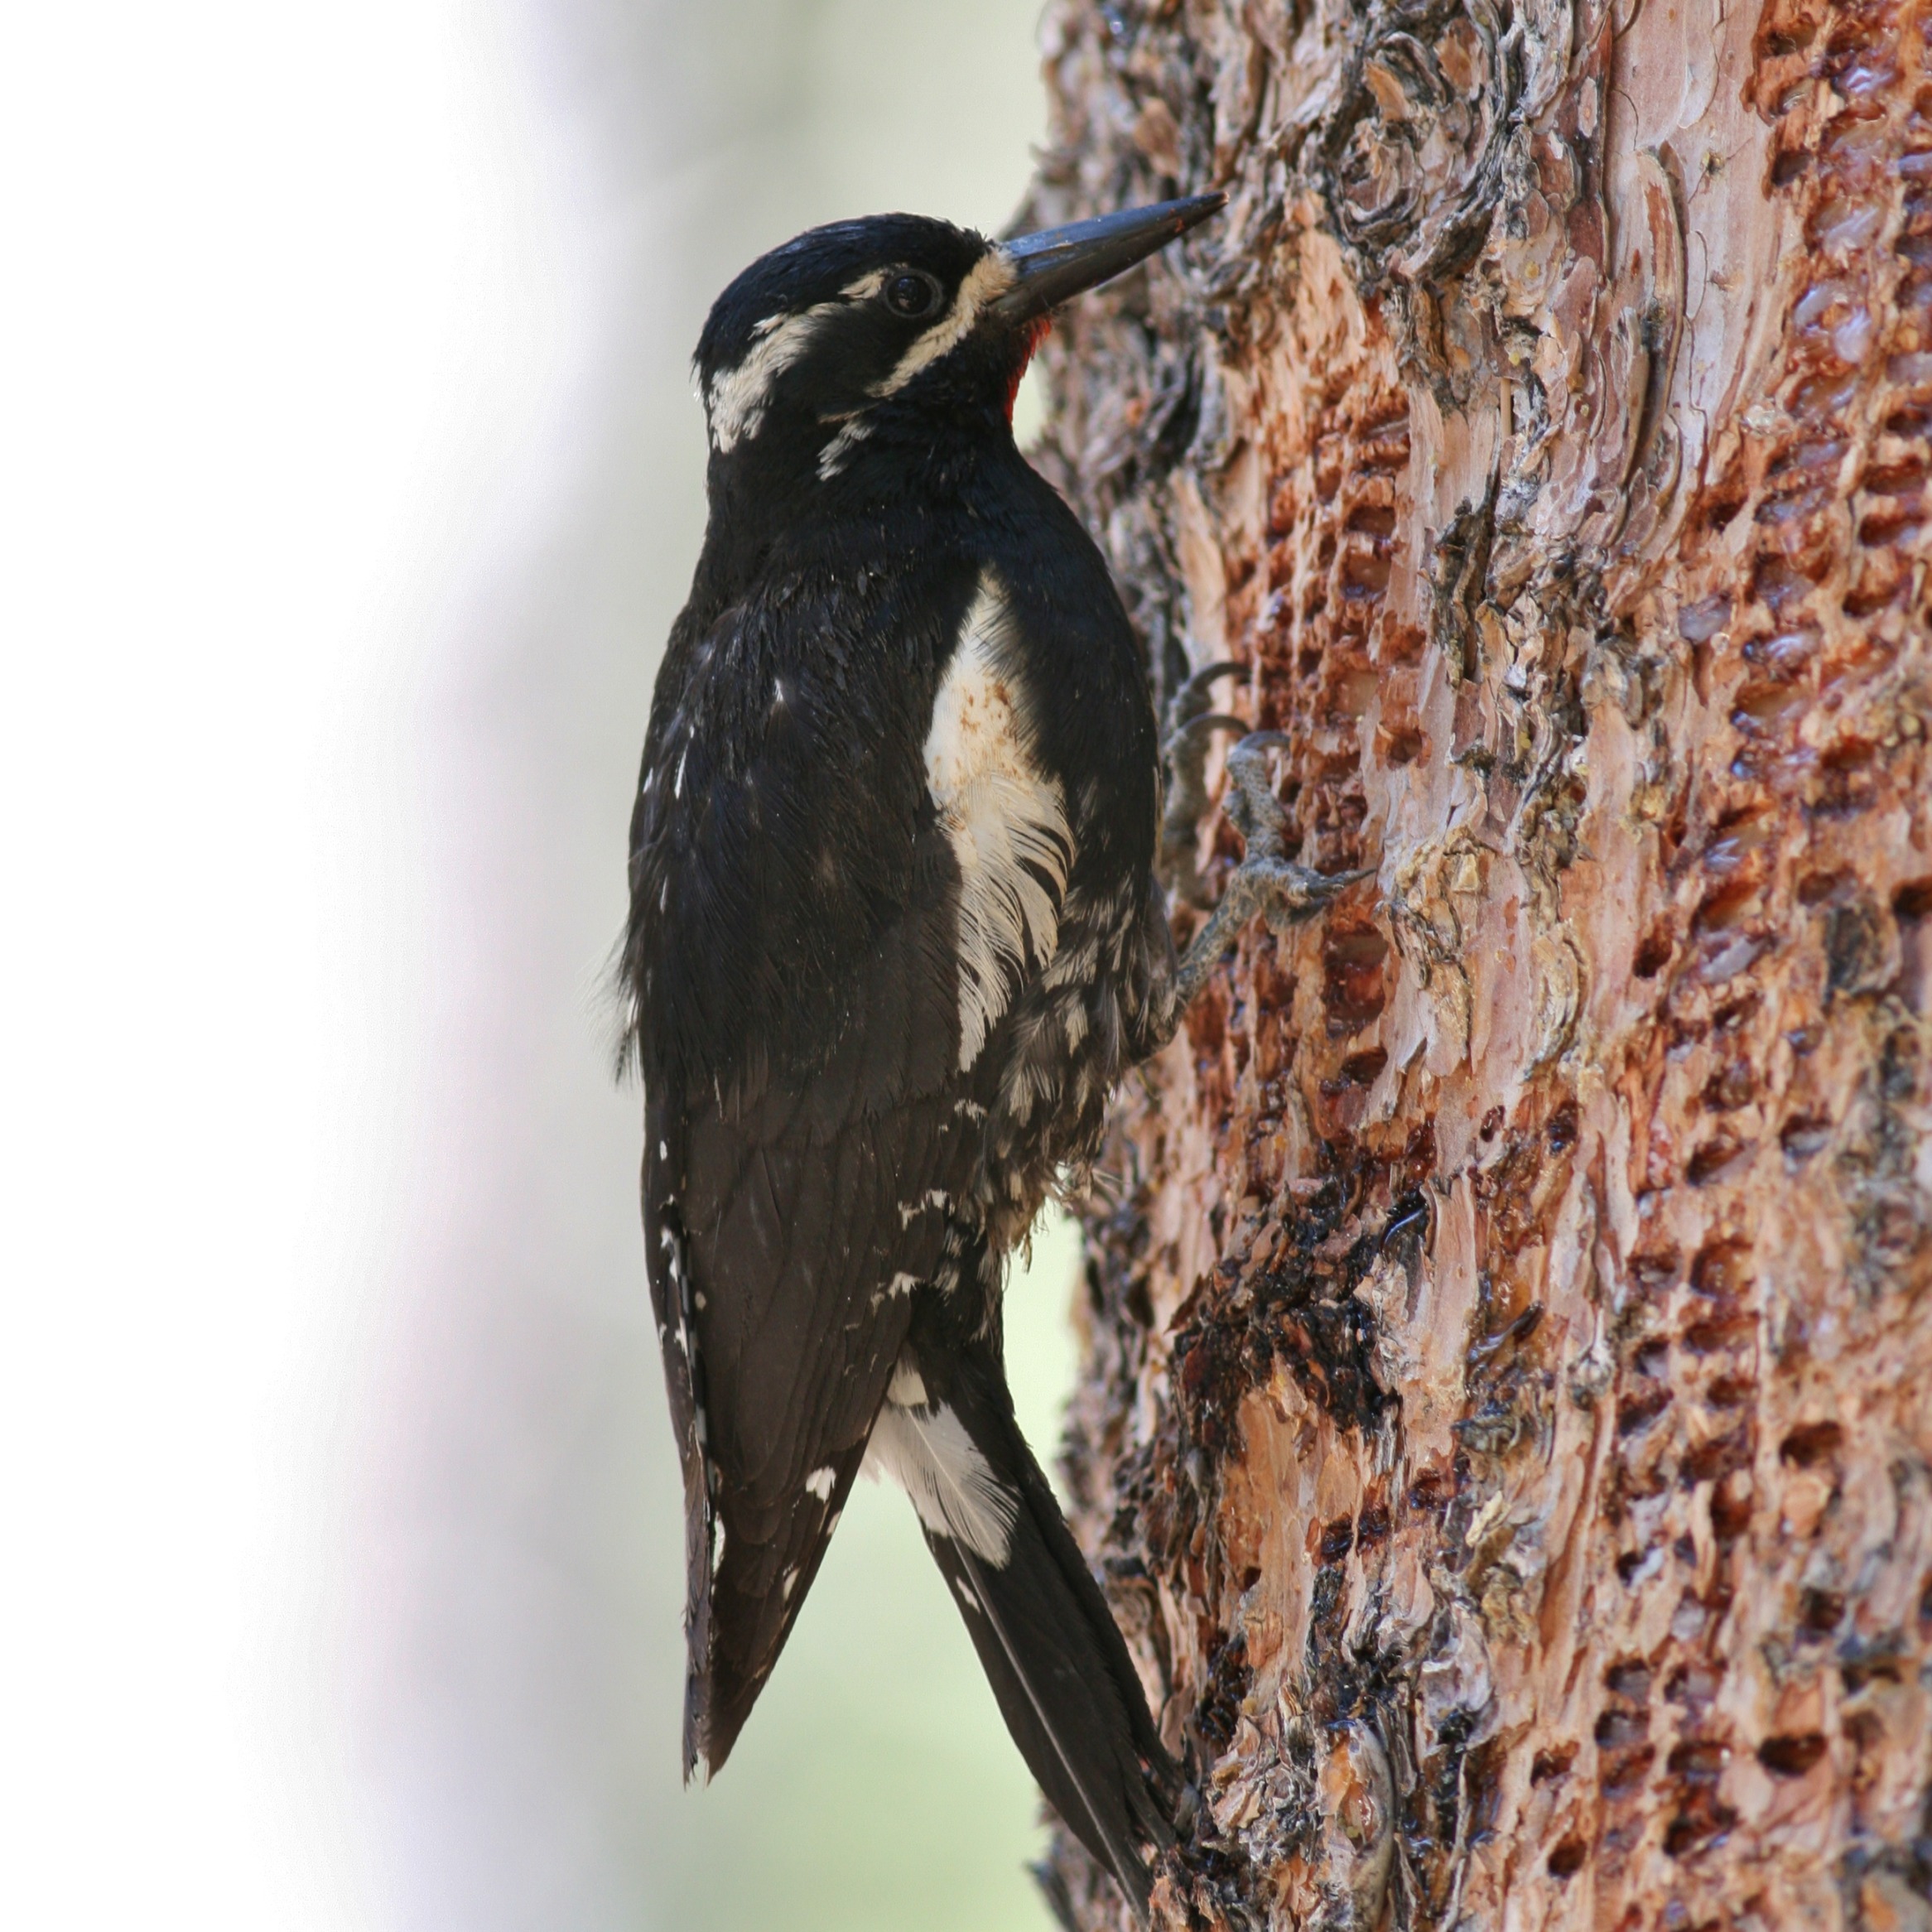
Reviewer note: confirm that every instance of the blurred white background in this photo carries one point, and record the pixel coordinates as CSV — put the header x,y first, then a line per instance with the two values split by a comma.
x,y
351,479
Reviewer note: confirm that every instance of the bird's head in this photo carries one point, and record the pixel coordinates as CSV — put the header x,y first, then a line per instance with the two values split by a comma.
x,y
896,326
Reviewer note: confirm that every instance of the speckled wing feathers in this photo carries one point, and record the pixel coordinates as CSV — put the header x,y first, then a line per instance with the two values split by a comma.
x,y
800,1207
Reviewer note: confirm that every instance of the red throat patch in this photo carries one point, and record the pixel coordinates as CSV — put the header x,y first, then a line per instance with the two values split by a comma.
x,y
1036,334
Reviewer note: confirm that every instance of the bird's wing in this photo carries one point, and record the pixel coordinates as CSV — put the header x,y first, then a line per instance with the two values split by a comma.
x,y
787,1233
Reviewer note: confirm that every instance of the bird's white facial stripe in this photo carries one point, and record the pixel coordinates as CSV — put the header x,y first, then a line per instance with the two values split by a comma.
x,y
952,1487
738,397
990,276
1006,820
832,458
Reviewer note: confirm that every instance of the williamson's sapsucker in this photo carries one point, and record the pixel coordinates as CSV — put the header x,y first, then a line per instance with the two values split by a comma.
x,y
895,938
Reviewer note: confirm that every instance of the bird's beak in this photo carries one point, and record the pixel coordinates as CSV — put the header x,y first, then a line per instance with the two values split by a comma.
x,y
1059,262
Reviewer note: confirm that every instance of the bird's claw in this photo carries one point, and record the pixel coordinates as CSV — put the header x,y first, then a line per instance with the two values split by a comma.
x,y
1194,697
1286,895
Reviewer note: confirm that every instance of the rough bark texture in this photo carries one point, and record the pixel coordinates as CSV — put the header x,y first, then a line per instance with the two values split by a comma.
x,y
1506,1424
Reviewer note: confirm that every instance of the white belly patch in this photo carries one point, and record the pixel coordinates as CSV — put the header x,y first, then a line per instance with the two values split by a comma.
x,y
1006,820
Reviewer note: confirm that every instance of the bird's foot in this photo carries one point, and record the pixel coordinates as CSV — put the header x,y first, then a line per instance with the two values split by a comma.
x,y
1265,882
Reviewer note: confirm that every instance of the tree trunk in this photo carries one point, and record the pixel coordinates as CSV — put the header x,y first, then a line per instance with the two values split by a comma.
x,y
1506,1419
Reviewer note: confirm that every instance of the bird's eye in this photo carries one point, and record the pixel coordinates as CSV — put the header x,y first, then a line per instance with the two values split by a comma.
x,y
911,295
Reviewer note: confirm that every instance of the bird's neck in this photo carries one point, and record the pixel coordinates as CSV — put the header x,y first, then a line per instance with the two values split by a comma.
x,y
772,507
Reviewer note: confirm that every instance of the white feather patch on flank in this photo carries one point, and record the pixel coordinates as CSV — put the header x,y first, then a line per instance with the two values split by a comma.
x,y
820,1482
909,1210
990,276
1005,817
929,1455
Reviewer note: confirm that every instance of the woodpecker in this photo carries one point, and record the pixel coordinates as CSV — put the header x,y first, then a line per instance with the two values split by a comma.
x,y
895,938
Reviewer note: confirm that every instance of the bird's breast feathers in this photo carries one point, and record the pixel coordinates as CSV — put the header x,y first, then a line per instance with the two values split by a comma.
x,y
1004,815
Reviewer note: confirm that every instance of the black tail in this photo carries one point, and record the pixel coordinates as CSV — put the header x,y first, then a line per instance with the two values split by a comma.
x,y
1046,1641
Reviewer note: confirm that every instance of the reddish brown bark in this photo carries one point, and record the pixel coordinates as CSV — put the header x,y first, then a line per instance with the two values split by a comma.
x,y
1506,1423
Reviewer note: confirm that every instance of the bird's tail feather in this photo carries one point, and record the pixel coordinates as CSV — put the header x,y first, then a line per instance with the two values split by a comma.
x,y
1048,1644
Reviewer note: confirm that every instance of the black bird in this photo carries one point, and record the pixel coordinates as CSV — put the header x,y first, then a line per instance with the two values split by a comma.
x,y
894,937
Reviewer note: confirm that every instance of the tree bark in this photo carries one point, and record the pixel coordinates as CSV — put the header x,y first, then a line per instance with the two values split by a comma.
x,y
1506,1426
